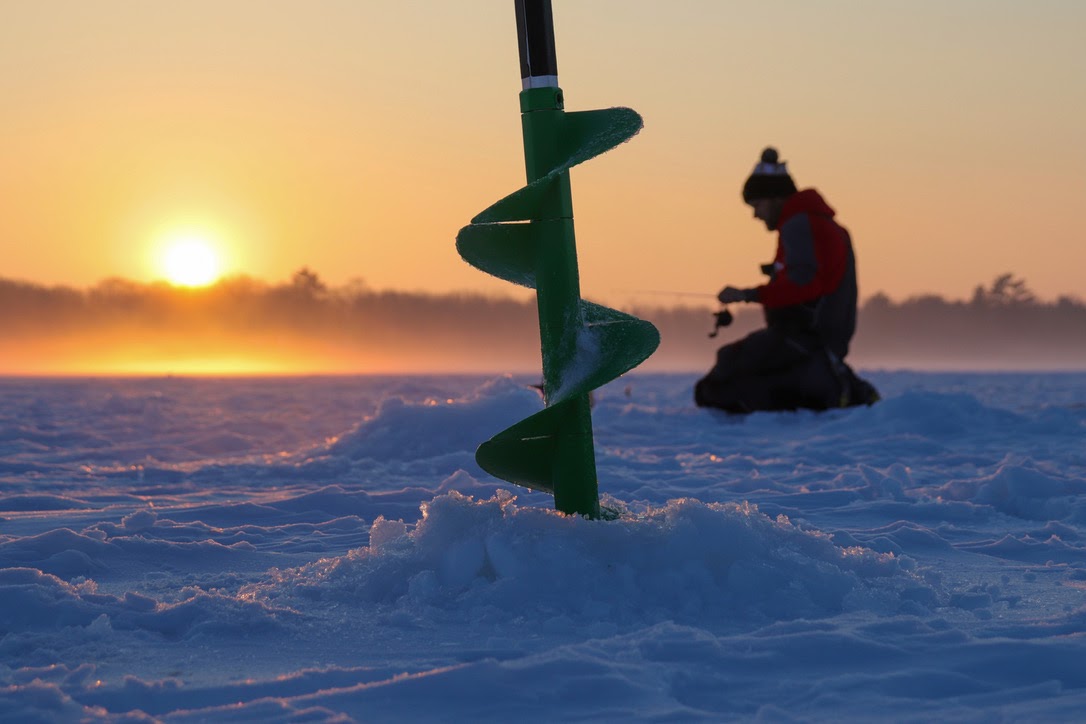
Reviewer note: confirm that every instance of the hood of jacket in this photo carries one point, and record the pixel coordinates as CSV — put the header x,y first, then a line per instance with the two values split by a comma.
x,y
806,201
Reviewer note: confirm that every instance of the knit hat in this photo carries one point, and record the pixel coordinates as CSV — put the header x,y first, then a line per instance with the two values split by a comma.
x,y
769,180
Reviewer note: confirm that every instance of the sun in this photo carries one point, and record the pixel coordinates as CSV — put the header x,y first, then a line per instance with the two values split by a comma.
x,y
190,260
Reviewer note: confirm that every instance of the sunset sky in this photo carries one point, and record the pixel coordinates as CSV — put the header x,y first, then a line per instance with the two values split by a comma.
x,y
356,137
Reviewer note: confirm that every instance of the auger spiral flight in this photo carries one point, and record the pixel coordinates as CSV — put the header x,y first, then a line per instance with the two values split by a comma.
x,y
527,238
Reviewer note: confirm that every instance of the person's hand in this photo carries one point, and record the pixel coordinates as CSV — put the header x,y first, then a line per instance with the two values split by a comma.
x,y
729,295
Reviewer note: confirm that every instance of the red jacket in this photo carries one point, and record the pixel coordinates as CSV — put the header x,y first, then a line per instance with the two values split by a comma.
x,y
814,267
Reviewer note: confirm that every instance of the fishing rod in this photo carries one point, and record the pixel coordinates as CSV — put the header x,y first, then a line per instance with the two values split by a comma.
x,y
667,293
720,319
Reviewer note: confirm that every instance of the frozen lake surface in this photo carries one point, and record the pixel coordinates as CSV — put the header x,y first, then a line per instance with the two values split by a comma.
x,y
327,550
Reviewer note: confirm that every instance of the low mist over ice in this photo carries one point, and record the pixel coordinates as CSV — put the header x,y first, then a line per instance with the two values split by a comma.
x,y
304,326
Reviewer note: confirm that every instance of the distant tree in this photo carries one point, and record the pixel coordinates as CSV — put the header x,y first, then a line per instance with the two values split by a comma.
x,y
355,287
1067,303
980,297
878,302
926,303
306,282
1006,291
116,292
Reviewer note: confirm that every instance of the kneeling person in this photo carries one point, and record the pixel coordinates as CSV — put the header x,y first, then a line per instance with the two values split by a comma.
x,y
798,360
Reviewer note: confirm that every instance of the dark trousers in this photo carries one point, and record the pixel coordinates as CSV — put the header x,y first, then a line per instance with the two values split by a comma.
x,y
767,370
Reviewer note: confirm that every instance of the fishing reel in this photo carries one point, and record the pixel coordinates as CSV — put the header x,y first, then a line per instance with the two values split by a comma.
x,y
721,319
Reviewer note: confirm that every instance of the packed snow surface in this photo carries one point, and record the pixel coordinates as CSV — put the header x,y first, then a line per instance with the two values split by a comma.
x,y
327,550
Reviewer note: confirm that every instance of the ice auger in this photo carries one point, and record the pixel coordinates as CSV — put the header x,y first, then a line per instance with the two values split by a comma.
x,y
527,238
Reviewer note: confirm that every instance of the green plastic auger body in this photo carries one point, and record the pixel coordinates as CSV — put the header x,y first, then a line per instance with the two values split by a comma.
x,y
557,294
528,238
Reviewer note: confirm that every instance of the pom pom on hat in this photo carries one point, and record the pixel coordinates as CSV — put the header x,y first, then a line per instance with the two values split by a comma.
x,y
769,180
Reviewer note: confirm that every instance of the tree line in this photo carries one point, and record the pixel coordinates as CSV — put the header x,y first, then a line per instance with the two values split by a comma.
x,y
1003,324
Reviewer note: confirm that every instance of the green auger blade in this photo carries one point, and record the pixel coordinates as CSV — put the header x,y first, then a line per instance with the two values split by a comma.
x,y
590,133
611,344
521,205
581,136
507,251
524,453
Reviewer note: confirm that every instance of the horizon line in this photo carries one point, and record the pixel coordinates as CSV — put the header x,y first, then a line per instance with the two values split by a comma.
x,y
358,287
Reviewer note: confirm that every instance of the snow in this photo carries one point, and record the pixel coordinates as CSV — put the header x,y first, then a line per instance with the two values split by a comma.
x,y
326,549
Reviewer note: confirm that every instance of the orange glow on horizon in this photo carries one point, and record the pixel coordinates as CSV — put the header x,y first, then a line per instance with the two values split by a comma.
x,y
154,354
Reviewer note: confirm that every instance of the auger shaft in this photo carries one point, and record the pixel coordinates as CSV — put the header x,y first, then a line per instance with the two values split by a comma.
x,y
558,284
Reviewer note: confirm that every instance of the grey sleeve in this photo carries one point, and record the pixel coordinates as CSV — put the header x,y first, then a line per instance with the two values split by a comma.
x,y
800,264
